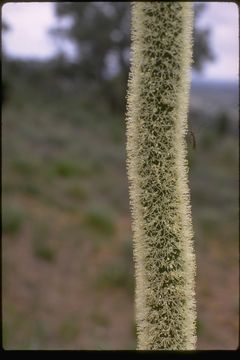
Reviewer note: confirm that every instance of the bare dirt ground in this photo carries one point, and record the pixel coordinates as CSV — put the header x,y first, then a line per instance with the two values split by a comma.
x,y
218,298
62,305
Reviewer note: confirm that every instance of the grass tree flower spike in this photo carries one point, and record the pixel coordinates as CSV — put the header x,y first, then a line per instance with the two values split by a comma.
x,y
158,175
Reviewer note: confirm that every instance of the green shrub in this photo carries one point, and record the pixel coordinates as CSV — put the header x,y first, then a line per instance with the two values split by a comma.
x,y
25,167
65,169
100,221
222,124
68,330
41,248
28,187
77,192
113,275
43,251
99,319
12,220
68,169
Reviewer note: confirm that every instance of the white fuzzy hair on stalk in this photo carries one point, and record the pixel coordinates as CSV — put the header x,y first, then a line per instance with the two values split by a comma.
x,y
157,109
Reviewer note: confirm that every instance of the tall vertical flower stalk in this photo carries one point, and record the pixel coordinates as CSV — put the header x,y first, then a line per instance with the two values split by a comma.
x,y
157,167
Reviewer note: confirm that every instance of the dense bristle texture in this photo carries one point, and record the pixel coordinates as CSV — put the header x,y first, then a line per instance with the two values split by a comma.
x,y
158,175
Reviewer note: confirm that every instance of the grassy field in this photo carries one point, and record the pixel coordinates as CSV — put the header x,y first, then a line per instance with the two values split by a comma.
x,y
67,245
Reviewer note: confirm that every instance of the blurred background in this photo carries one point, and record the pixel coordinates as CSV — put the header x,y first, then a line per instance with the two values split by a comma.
x,y
68,280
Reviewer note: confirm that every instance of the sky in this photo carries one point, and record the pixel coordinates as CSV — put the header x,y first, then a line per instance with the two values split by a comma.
x,y
30,23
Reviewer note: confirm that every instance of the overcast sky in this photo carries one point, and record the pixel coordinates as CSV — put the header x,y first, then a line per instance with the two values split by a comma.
x,y
30,22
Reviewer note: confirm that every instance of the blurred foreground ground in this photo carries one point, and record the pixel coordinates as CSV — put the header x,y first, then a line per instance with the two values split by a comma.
x,y
67,252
